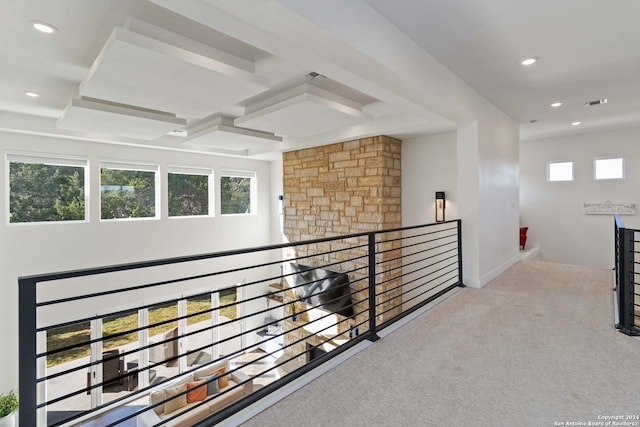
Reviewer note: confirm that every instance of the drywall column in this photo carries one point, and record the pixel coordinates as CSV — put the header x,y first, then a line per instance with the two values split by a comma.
x,y
468,202
488,193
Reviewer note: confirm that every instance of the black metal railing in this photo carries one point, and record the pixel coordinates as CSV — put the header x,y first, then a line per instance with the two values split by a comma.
x,y
105,340
627,273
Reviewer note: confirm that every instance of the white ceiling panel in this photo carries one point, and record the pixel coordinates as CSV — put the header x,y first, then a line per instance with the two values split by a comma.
x,y
197,58
220,133
103,118
302,112
138,70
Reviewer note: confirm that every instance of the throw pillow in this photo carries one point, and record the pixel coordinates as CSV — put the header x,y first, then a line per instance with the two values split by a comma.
x,y
212,384
177,401
222,379
156,397
196,391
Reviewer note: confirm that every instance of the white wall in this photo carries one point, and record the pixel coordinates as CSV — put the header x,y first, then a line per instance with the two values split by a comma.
x,y
428,165
276,212
554,212
498,194
28,249
488,190
477,167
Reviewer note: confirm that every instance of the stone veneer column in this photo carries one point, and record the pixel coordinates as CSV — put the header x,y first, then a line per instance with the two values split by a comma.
x,y
345,188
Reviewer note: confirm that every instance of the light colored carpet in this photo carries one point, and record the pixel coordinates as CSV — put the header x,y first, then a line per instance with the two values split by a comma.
x,y
534,347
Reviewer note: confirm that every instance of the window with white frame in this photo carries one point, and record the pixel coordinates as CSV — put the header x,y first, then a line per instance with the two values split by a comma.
x,y
237,192
128,191
46,189
608,168
559,171
189,191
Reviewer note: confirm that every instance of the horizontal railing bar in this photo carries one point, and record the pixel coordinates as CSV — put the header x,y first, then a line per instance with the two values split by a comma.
x,y
435,278
161,283
164,401
200,294
420,277
446,273
414,228
417,261
418,306
414,244
182,355
190,408
427,250
278,365
137,349
167,282
433,264
227,411
404,256
161,303
421,243
201,276
430,289
139,329
444,281
422,268
154,344
168,321
40,278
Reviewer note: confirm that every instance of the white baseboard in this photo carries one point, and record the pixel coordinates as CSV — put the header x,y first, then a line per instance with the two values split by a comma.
x,y
471,282
531,253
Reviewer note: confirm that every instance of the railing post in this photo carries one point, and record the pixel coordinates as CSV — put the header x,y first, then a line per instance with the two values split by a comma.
x,y
631,283
372,335
27,374
626,282
460,281
619,262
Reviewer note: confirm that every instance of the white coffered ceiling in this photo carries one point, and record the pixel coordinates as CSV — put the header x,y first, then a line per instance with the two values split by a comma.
x,y
255,77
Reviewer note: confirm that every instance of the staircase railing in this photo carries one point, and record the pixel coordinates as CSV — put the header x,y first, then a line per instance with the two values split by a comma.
x,y
97,342
627,260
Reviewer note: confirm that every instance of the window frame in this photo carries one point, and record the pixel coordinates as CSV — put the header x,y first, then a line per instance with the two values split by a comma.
x,y
253,194
137,167
49,160
550,163
595,162
193,170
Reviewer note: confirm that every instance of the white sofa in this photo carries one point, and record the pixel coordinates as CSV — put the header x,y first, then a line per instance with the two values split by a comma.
x,y
212,404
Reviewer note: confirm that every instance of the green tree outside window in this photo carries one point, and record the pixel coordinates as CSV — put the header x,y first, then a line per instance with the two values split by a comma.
x,y
39,192
127,193
188,194
235,195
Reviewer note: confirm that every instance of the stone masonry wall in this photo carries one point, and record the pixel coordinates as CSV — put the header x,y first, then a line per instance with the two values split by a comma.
x,y
340,189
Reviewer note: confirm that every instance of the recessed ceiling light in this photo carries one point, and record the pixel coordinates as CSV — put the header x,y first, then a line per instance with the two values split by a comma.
x,y
43,27
32,94
576,123
556,105
529,61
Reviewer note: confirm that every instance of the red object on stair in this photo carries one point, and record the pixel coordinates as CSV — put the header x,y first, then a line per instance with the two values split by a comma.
x,y
523,236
